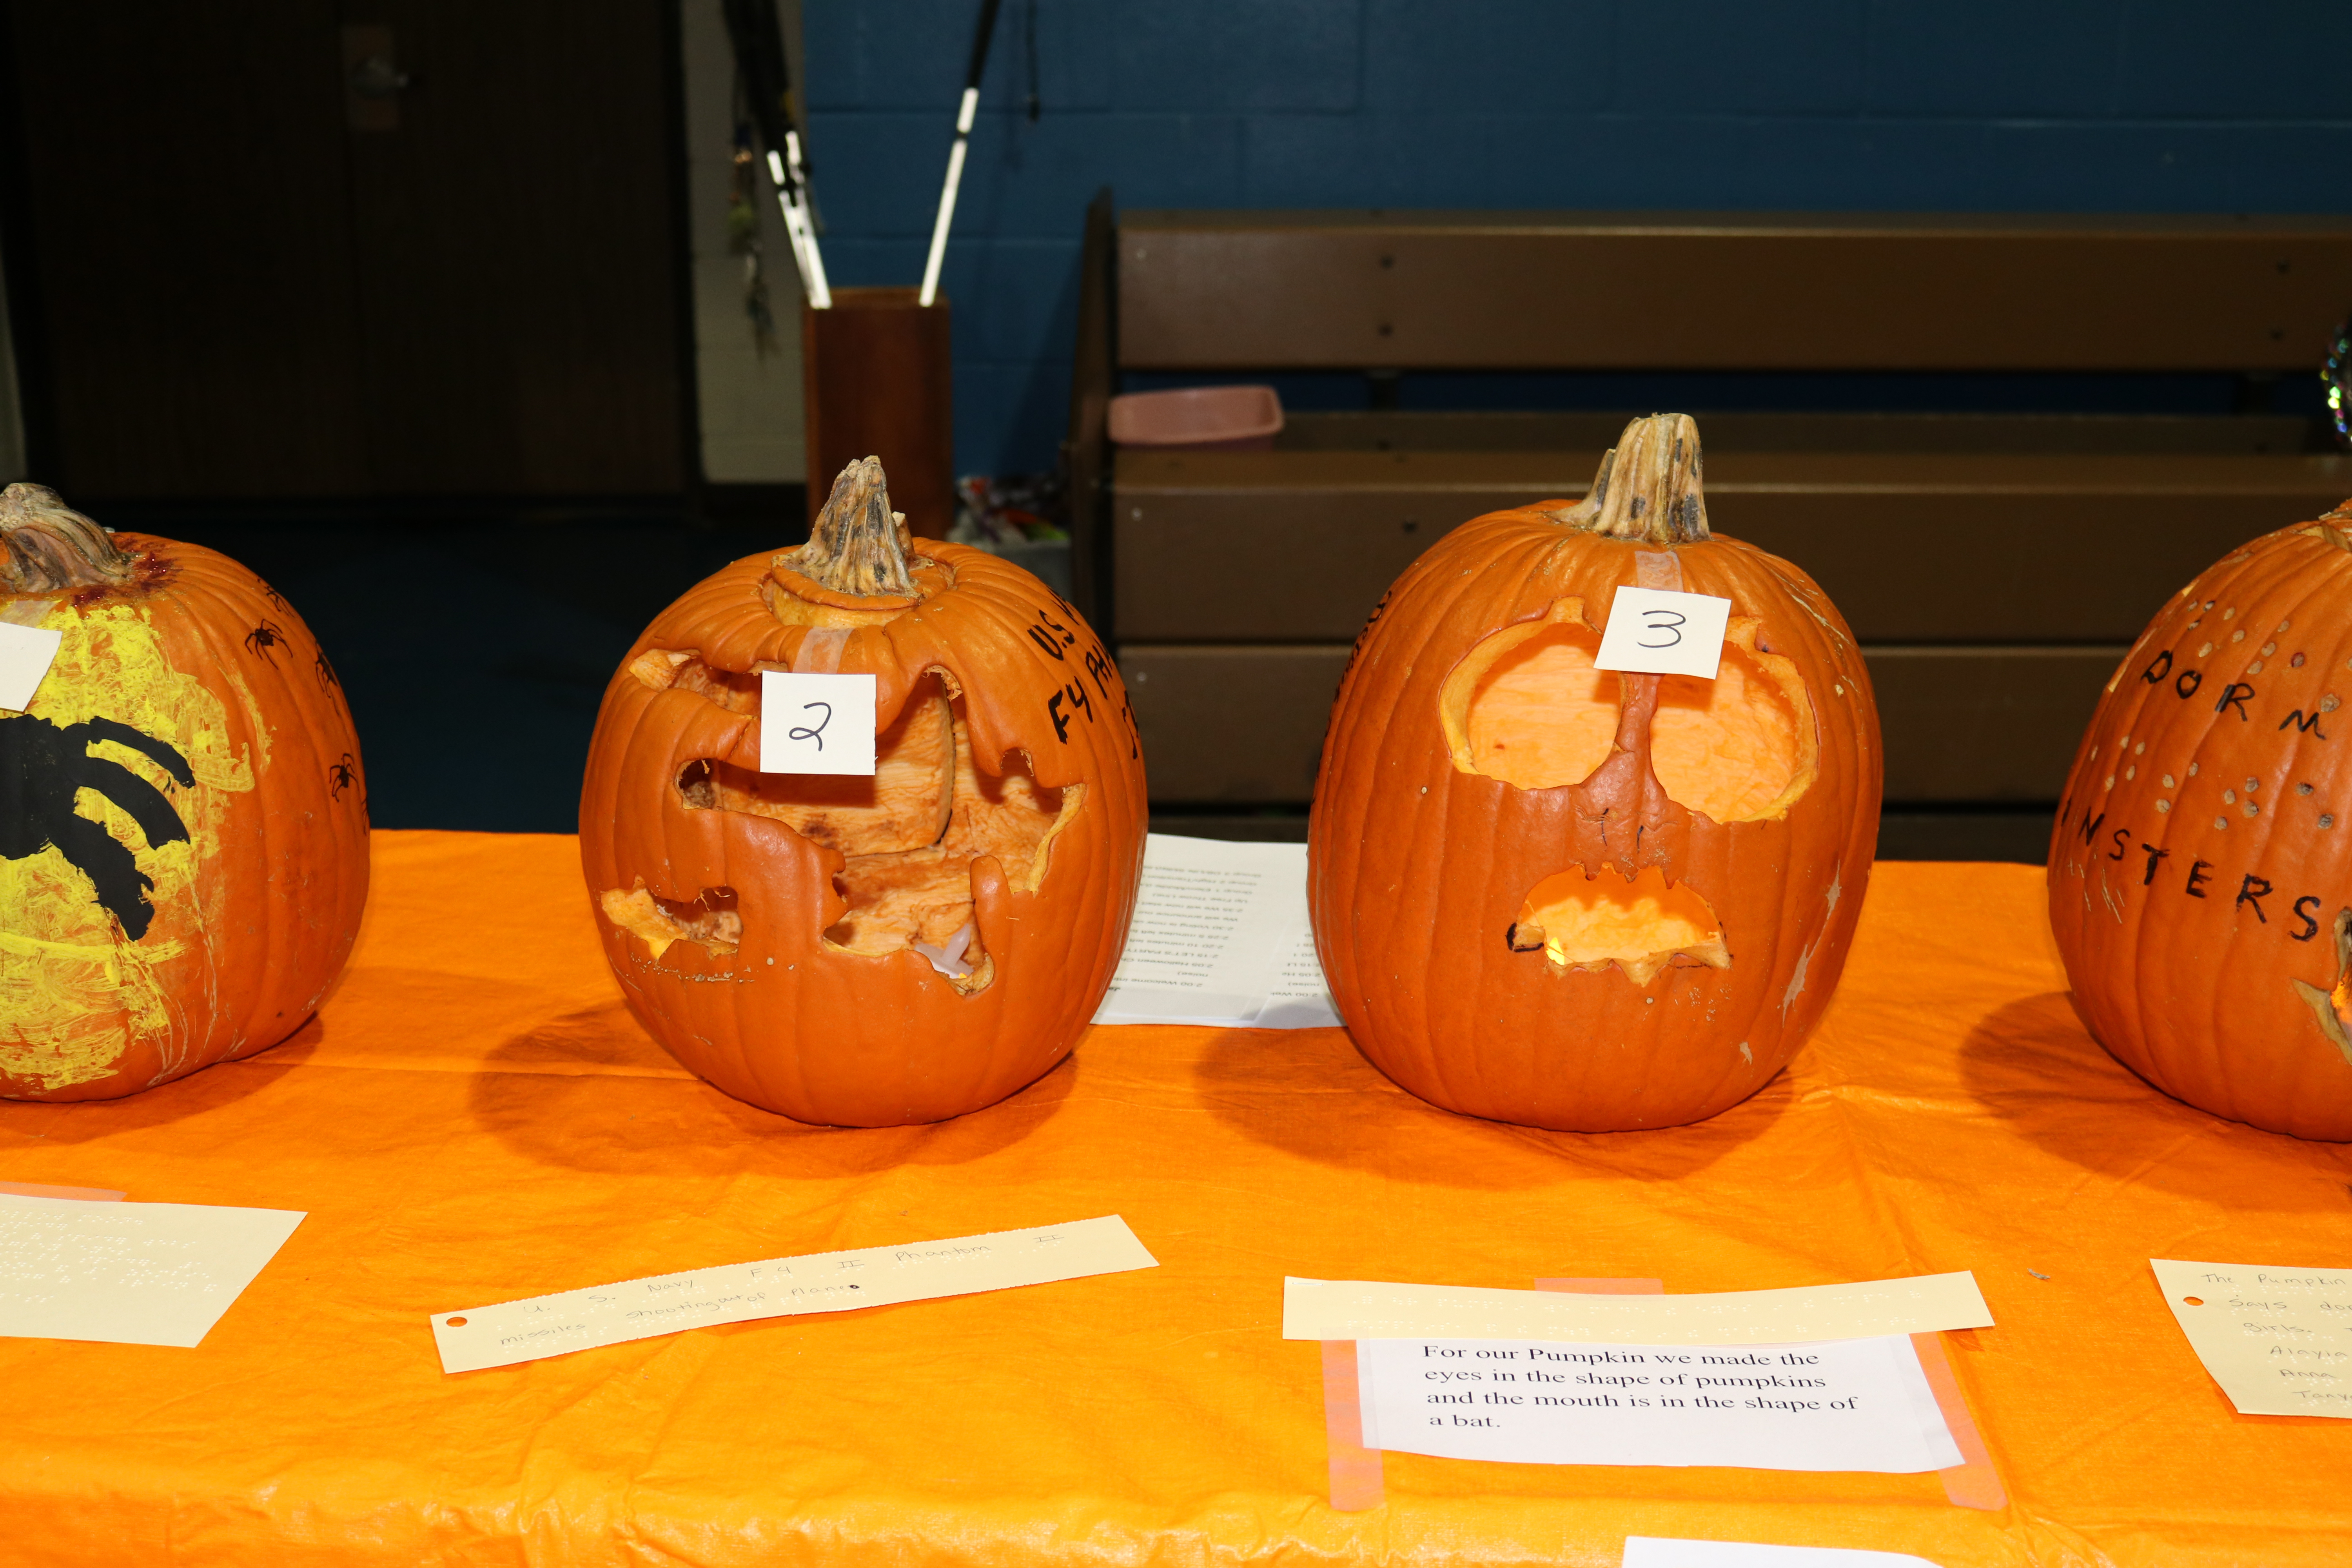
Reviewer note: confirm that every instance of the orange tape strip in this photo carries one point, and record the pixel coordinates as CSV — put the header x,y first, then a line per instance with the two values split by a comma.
x,y
1356,1480
1973,1482
86,1195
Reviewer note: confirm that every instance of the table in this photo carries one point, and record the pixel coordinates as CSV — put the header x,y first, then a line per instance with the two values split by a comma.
x,y
473,1117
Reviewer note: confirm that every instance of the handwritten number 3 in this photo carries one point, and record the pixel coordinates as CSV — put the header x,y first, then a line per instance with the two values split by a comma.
x,y
1670,625
817,733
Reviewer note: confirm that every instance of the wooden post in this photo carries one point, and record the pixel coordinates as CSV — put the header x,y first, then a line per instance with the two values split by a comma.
x,y
877,378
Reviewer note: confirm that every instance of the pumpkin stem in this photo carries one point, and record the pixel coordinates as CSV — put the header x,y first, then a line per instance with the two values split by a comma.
x,y
857,544
1648,486
52,546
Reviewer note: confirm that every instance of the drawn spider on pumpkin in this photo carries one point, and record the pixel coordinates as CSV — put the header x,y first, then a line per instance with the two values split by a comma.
x,y
264,636
342,775
42,767
324,671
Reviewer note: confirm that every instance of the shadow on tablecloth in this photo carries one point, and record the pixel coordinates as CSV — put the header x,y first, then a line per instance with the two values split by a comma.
x,y
2034,1066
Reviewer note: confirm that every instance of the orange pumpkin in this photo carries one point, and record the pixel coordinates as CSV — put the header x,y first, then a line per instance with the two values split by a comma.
x,y
1554,895
2200,870
854,951
184,848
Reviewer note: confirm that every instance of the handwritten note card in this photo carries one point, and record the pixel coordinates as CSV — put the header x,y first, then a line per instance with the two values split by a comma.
x,y
130,1274
542,1326
1662,1552
2278,1341
1220,937
816,723
1362,1308
1659,631
26,654
1848,1405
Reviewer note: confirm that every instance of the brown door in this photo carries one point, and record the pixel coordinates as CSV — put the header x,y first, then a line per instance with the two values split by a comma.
x,y
293,249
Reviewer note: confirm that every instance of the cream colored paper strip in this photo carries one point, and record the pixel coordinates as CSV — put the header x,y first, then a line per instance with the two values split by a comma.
x,y
2278,1341
1370,1310
544,1326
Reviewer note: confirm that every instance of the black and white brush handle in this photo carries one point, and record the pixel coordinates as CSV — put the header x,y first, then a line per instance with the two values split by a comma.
x,y
965,111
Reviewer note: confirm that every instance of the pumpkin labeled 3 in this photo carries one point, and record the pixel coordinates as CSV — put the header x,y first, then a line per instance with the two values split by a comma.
x,y
183,849
853,951
2200,870
1580,900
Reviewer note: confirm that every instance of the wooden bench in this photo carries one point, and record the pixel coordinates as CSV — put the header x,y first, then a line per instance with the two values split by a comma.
x,y
1994,565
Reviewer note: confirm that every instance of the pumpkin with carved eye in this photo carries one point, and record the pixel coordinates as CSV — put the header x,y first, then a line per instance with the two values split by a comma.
x,y
1551,894
2200,869
856,950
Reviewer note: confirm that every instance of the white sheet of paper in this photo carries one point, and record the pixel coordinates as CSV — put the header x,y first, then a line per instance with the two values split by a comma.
x,y
1661,631
2278,1341
1217,939
816,723
26,654
1300,999
543,1326
1371,1308
1661,1552
127,1274
1847,1405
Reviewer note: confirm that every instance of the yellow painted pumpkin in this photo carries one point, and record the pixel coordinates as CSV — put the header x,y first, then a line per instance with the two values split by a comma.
x,y
184,848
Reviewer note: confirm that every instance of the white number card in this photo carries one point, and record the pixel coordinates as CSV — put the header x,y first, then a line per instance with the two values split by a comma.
x,y
816,723
1656,631
26,654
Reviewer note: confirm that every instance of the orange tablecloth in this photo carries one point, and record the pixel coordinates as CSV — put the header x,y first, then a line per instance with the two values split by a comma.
x,y
475,1118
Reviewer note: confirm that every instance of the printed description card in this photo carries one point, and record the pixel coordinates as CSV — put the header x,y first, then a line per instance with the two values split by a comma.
x,y
132,1274
2278,1341
1220,937
1848,1405
570,1320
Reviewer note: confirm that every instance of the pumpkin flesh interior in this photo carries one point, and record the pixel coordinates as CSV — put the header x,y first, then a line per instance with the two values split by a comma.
x,y
1730,748
1639,923
1538,714
909,835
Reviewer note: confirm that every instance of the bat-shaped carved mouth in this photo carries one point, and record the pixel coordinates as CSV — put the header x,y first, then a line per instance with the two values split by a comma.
x,y
43,765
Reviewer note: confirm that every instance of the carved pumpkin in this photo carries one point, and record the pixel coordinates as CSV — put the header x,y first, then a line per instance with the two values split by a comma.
x,y
184,848
854,951
1549,894
2200,870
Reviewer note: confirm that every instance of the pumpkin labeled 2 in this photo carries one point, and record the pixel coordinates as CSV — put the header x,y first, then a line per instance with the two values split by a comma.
x,y
854,951
1552,894
2200,870
183,851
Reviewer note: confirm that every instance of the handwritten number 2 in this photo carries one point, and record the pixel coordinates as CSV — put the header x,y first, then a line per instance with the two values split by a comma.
x,y
1670,624
816,732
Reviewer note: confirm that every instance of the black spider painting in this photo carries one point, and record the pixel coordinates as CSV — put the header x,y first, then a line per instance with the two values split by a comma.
x,y
41,766
263,638
342,775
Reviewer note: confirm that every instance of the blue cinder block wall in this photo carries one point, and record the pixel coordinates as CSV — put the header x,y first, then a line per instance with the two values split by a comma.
x,y
1985,105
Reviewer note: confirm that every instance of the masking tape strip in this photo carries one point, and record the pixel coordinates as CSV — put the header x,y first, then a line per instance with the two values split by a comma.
x,y
81,1195
820,651
1973,1482
1357,1483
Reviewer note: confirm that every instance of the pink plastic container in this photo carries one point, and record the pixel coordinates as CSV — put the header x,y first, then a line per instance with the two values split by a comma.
x,y
1204,419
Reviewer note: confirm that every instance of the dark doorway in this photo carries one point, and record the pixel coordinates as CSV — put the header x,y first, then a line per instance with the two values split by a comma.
x,y
293,249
